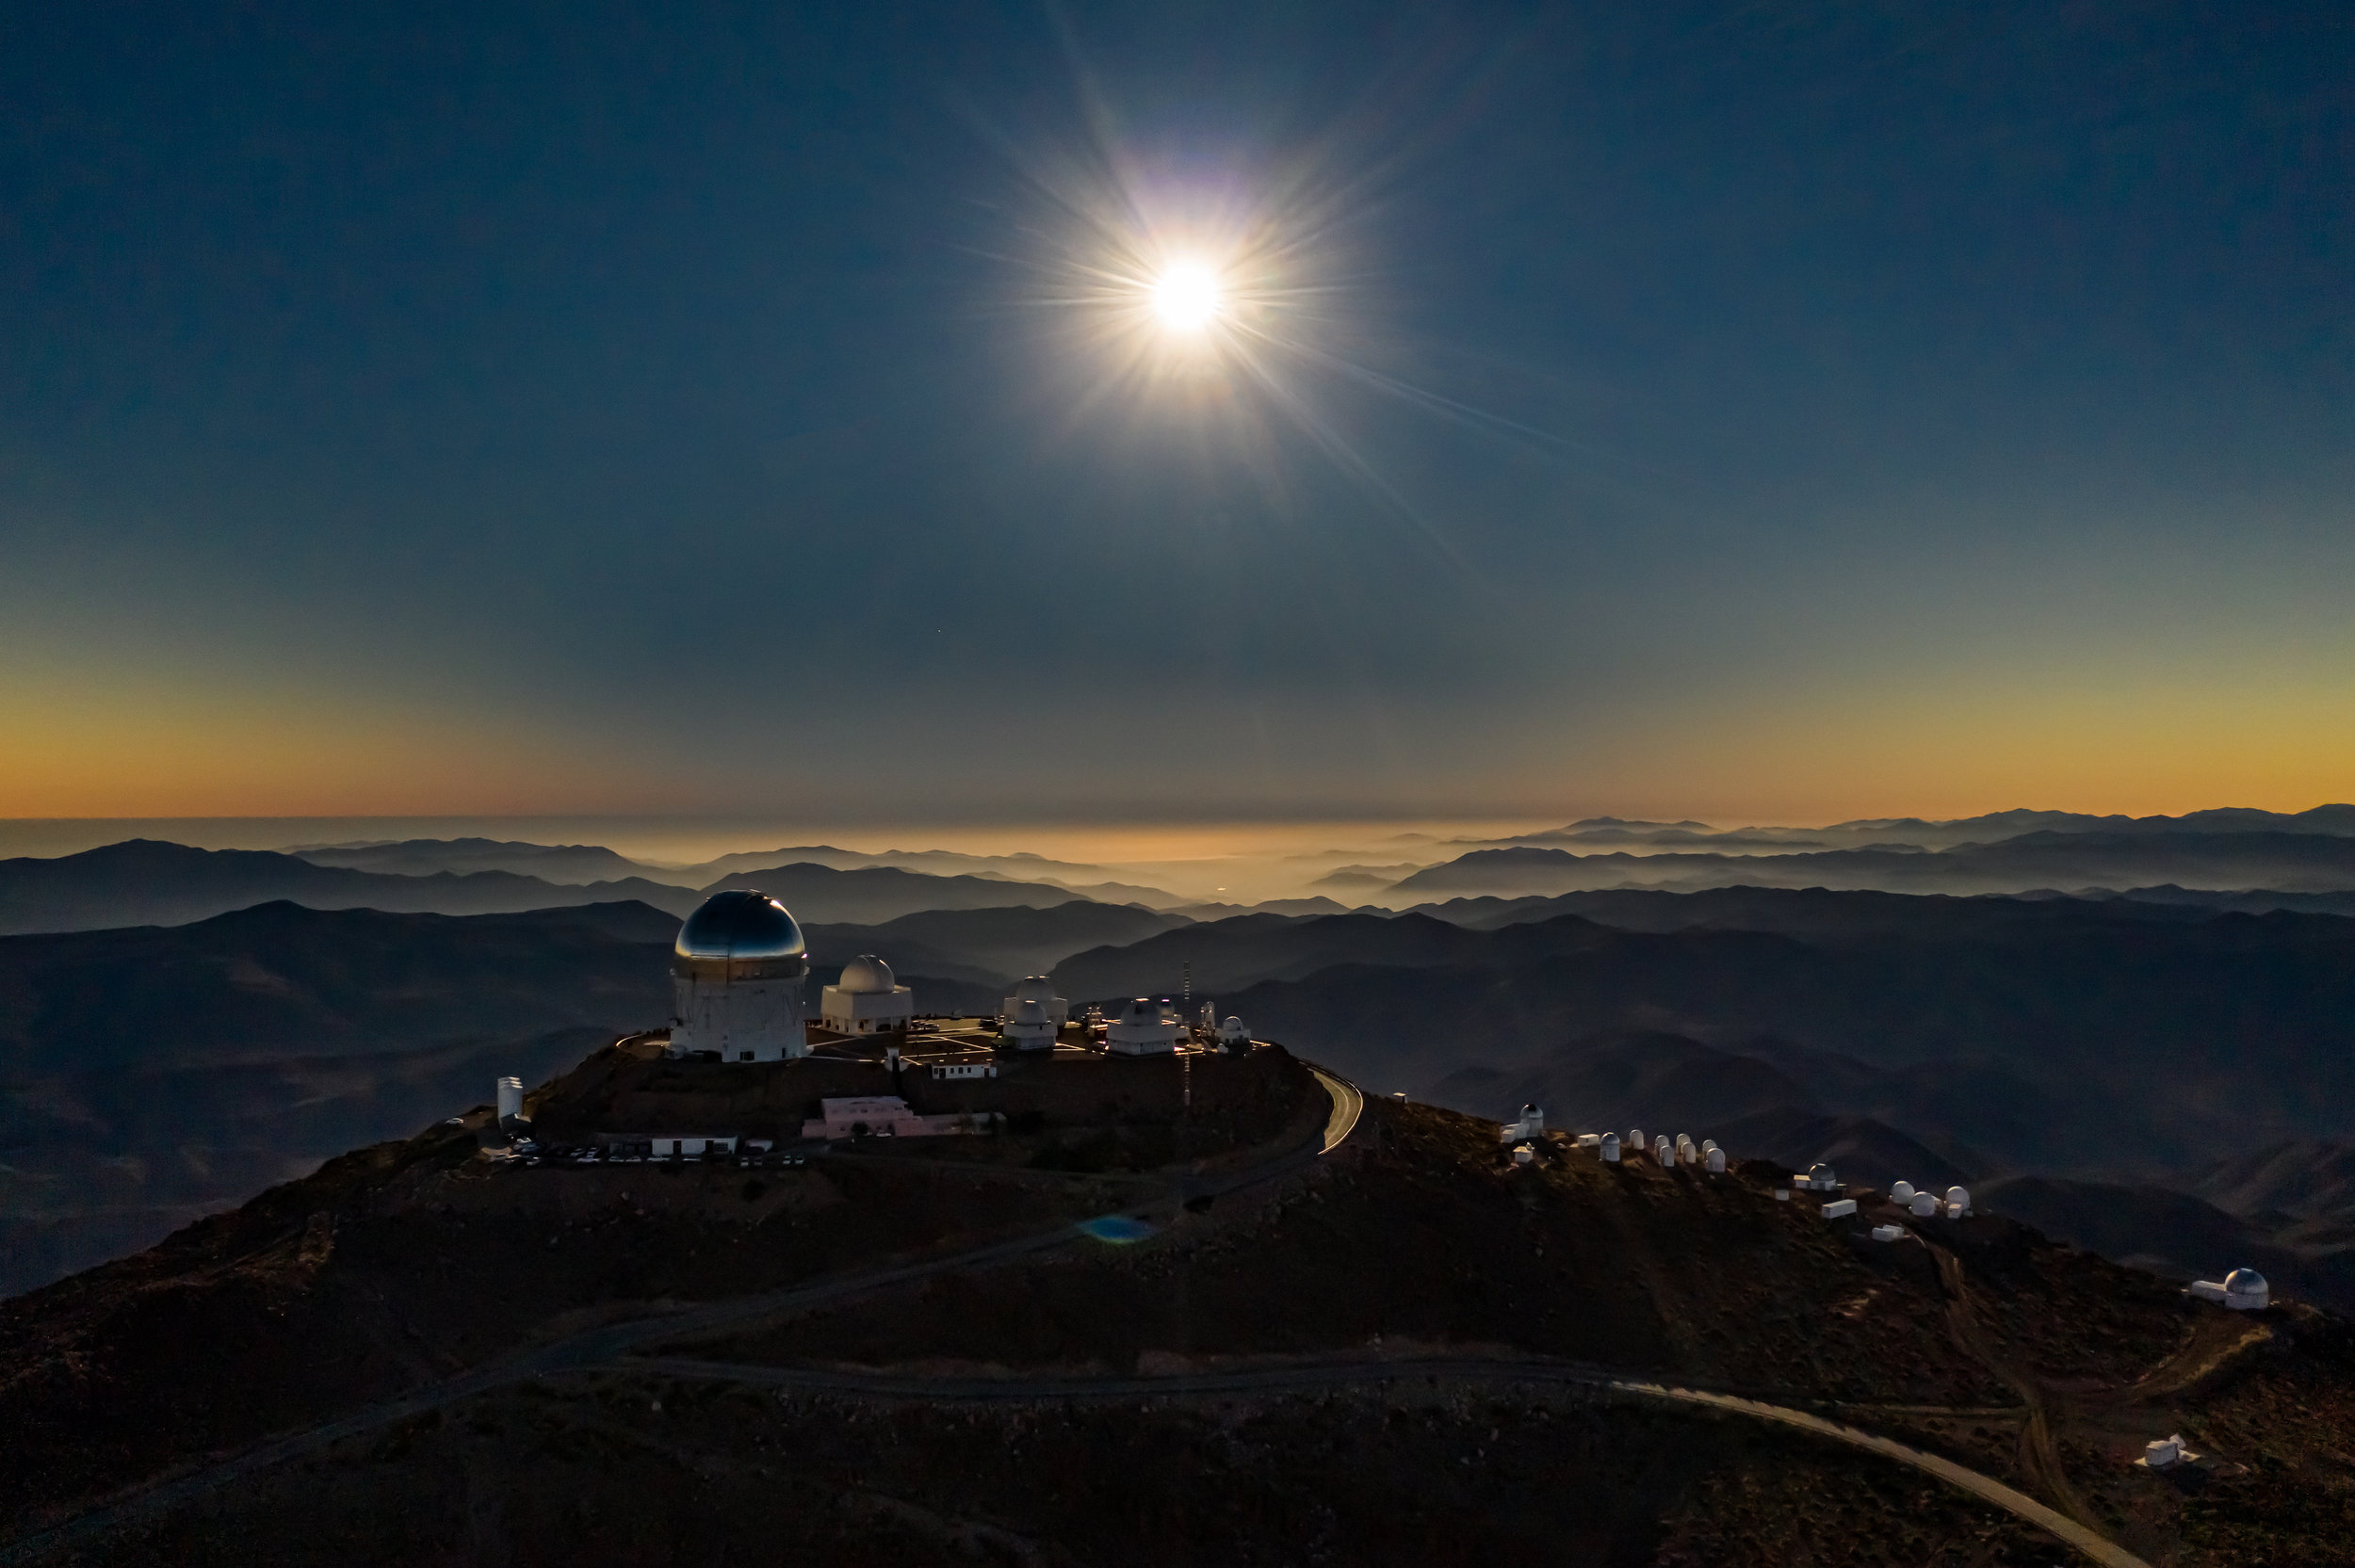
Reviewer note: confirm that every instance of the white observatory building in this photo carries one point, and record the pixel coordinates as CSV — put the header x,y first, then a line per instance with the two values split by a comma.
x,y
867,999
737,976
1039,989
1029,1028
2243,1290
1143,1028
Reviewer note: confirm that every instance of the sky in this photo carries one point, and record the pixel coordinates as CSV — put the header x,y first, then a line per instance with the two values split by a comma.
x,y
1745,413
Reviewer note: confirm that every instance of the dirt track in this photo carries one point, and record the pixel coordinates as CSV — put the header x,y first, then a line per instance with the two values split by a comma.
x,y
1332,1373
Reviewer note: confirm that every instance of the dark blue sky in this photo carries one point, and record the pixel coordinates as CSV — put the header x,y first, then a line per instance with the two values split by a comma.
x,y
1780,410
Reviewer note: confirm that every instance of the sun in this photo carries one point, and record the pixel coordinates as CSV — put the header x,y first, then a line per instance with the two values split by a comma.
x,y
1188,297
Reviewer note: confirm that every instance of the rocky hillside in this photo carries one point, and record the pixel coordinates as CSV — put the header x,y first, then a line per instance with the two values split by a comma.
x,y
361,1292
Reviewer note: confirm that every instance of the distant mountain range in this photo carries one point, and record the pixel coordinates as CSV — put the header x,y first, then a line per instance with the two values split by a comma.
x,y
582,863
2148,1039
2288,862
549,862
143,882
991,946
1926,832
2128,1040
149,1076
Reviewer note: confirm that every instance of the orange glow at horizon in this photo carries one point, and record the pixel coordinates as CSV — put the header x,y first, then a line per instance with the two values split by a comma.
x,y
1864,755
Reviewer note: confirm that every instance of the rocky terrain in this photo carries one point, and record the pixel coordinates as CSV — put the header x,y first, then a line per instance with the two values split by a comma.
x,y
1409,1345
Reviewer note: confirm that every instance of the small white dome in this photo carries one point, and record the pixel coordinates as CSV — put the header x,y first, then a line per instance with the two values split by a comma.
x,y
2245,1281
1958,1195
1029,1009
1034,988
1140,1009
1821,1174
866,976
1901,1193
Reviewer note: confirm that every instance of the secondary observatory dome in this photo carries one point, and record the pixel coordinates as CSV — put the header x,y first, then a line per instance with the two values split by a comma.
x,y
742,932
2246,1282
866,976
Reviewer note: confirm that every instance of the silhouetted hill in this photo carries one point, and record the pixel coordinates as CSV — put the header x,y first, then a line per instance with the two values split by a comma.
x,y
1818,915
872,895
1930,834
339,1296
2293,863
1227,955
1612,1082
2183,1237
1858,1148
1669,1083
992,944
2311,1179
144,882
423,857
161,1072
2126,1045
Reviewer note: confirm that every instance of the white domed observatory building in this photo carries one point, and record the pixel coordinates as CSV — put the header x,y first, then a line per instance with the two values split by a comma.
x,y
738,973
1029,1028
1144,1028
867,1000
1039,989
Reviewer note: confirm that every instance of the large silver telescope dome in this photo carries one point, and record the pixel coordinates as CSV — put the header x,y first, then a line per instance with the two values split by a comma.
x,y
740,931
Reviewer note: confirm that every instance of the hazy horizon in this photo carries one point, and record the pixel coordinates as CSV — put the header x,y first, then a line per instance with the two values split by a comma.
x,y
1237,862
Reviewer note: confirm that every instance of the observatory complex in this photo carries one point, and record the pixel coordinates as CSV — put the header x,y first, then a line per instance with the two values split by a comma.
x,y
866,1066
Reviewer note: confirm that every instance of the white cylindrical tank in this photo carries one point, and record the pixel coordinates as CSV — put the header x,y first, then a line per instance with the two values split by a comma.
x,y
1707,1144
1664,1152
1716,1158
1925,1205
1610,1147
1635,1140
1902,1193
510,1097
